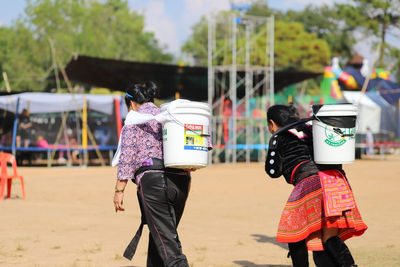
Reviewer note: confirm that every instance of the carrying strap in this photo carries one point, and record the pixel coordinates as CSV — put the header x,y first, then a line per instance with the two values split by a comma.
x,y
131,248
289,126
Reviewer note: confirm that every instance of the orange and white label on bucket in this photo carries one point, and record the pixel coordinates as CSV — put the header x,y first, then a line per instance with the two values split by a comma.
x,y
193,137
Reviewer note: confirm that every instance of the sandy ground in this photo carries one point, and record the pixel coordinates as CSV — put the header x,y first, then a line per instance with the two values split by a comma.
x,y
230,218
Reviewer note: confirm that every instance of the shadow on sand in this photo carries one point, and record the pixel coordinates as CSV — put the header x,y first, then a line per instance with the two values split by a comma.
x,y
268,239
250,264
263,239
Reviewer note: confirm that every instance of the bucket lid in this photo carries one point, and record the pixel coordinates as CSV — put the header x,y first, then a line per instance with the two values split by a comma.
x,y
183,103
334,110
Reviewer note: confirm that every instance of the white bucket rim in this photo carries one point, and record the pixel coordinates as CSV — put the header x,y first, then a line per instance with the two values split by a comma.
x,y
337,110
189,104
200,112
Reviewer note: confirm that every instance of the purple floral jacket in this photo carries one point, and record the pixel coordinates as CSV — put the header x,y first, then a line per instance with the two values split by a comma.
x,y
139,143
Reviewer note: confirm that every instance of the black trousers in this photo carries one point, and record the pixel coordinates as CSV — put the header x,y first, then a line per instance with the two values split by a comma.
x,y
299,254
162,197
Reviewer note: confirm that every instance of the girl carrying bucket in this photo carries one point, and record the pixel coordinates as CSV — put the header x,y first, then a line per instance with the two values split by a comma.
x,y
312,219
162,192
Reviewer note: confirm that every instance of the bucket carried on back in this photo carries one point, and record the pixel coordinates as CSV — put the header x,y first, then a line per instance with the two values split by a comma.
x,y
186,134
334,133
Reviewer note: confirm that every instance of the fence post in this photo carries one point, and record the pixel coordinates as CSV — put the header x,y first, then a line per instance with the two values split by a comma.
x,y
15,129
84,132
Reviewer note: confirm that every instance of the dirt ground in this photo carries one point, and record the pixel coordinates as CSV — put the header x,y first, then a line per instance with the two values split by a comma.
x,y
230,219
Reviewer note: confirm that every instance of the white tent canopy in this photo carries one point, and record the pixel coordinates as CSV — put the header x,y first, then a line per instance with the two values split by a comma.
x,y
388,113
369,113
52,103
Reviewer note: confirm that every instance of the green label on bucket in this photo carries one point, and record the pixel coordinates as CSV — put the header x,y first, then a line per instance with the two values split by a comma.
x,y
334,139
165,135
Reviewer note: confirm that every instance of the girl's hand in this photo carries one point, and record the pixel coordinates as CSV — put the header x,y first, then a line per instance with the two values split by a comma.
x,y
118,201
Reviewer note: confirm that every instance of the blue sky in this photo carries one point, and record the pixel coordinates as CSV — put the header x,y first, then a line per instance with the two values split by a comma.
x,y
10,9
171,20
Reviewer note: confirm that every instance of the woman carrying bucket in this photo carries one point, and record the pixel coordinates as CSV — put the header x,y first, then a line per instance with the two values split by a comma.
x,y
162,192
311,219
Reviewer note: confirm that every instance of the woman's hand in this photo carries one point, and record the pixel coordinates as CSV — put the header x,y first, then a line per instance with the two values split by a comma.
x,y
118,201
119,195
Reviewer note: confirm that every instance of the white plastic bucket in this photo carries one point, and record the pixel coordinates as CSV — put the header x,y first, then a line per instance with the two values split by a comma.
x,y
334,133
185,135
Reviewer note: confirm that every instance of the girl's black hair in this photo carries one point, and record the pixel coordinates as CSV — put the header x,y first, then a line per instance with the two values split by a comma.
x,y
141,93
282,115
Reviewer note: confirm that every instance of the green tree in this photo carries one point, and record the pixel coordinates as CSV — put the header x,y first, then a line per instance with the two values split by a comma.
x,y
395,54
376,17
325,22
197,44
20,59
108,29
95,28
294,47
260,8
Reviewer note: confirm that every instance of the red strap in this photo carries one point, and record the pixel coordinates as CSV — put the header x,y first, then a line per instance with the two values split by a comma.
x,y
294,170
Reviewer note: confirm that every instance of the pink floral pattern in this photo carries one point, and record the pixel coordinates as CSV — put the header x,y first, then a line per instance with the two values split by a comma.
x,y
139,143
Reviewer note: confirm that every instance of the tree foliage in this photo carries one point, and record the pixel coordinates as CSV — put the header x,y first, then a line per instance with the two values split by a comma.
x,y
376,17
95,28
325,22
337,25
260,8
20,57
197,44
294,47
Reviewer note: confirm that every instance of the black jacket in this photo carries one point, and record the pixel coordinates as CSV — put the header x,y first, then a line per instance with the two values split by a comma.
x,y
290,153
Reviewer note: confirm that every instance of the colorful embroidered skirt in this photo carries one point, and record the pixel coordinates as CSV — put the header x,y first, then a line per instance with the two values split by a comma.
x,y
304,214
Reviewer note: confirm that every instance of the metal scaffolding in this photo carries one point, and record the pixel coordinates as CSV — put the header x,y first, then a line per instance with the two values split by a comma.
x,y
240,82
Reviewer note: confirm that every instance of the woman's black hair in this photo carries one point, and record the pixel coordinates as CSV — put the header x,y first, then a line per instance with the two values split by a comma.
x,y
141,93
282,115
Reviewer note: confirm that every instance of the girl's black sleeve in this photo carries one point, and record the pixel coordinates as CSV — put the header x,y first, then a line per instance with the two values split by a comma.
x,y
273,163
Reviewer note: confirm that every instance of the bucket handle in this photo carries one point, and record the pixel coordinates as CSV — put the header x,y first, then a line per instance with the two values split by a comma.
x,y
339,132
336,129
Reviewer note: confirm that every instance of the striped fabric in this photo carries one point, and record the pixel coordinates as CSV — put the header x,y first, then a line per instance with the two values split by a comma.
x,y
337,193
303,216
